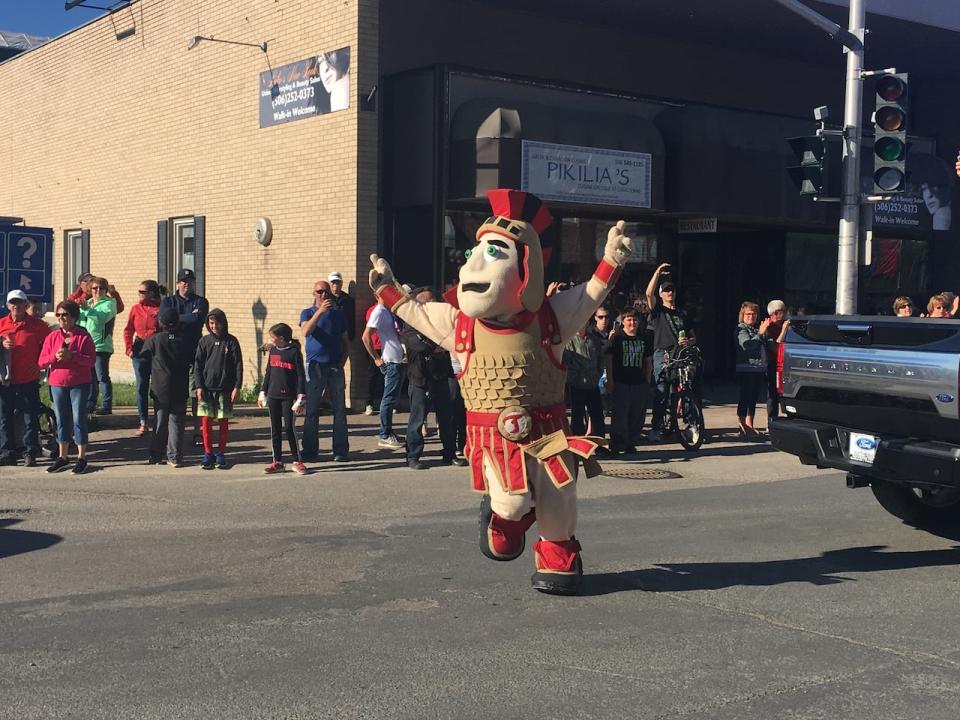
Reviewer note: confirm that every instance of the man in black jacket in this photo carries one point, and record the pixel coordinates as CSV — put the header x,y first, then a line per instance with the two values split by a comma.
x,y
192,310
428,369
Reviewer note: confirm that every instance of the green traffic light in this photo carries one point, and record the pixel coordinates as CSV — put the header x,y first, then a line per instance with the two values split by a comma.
x,y
889,149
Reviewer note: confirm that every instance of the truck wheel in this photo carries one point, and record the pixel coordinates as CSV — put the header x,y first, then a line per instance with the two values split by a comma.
x,y
917,506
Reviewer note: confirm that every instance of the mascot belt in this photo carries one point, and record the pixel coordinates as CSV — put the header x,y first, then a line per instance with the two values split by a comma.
x,y
505,439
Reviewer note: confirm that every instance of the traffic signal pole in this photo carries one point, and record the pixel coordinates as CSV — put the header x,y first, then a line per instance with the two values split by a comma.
x,y
849,237
852,39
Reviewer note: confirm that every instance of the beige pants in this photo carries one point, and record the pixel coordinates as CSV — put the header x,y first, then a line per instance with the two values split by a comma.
x,y
556,507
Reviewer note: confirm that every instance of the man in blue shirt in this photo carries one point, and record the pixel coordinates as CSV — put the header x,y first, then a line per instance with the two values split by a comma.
x,y
325,330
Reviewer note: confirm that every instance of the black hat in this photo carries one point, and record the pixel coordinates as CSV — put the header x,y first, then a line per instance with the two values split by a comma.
x,y
668,285
169,318
186,274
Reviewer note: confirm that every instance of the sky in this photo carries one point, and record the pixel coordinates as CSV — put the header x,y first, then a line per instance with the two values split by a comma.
x,y
44,17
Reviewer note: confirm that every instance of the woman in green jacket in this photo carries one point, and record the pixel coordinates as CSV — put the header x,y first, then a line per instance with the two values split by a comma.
x,y
97,317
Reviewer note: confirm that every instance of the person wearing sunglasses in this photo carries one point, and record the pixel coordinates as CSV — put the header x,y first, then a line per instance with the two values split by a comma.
x,y
141,325
325,330
97,317
70,354
671,329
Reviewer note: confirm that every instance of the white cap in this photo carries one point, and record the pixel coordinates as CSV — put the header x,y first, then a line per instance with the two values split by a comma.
x,y
775,305
334,276
17,294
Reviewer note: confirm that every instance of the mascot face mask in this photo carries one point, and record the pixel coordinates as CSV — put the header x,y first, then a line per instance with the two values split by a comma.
x,y
503,275
490,279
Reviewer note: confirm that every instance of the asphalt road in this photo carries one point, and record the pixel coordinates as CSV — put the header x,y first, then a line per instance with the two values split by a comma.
x,y
359,592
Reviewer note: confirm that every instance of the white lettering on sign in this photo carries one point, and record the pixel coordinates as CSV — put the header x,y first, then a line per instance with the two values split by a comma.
x,y
697,225
594,176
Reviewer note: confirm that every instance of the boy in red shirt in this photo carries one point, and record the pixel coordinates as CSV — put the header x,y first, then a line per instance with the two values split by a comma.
x,y
21,337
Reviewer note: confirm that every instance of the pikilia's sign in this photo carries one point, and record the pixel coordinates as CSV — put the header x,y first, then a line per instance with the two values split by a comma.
x,y
596,176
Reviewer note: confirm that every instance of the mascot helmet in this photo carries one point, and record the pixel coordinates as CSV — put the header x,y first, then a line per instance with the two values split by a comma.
x,y
521,217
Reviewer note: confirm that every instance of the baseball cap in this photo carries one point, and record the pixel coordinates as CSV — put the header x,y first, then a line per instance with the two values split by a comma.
x,y
17,294
334,276
186,274
667,286
169,318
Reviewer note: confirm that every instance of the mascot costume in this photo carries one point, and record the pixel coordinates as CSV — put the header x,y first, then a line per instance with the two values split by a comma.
x,y
509,340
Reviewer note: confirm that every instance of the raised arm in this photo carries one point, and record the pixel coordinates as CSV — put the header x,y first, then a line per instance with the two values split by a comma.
x,y
434,320
574,307
651,293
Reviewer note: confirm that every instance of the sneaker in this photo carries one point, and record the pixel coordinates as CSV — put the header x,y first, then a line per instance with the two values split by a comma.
x,y
340,458
391,441
273,468
368,410
456,460
58,465
299,468
81,467
29,460
221,461
416,465
176,464
207,462
156,461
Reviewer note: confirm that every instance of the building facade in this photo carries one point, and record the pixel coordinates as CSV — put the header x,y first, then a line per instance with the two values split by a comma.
x,y
146,156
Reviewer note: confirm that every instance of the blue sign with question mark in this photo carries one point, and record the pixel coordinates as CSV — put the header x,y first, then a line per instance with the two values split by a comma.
x,y
26,261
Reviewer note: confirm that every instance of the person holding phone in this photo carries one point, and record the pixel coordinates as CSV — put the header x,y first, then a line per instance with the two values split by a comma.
x,y
327,345
70,354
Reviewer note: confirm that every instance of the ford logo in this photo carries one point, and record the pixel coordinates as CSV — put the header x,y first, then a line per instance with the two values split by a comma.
x,y
866,444
945,397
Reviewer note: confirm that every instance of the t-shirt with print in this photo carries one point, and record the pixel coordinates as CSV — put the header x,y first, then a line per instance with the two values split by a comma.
x,y
666,324
383,322
628,354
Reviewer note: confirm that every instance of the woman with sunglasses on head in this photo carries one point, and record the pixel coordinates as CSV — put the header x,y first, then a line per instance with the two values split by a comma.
x,y
97,316
752,335
70,354
141,324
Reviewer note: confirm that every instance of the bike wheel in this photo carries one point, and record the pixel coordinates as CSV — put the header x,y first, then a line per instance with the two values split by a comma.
x,y
689,419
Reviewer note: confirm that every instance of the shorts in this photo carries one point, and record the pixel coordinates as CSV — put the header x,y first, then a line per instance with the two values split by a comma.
x,y
215,404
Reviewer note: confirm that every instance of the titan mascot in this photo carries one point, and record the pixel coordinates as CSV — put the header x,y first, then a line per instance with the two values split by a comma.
x,y
509,340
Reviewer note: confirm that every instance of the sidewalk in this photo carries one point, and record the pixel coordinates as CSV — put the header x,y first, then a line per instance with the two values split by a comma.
x,y
724,458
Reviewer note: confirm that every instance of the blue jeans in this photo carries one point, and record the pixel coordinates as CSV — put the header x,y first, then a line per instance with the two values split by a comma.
x,y
24,399
392,378
320,377
141,371
70,407
439,392
101,377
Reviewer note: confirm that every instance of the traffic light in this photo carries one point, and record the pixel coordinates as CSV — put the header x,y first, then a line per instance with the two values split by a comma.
x,y
820,162
890,134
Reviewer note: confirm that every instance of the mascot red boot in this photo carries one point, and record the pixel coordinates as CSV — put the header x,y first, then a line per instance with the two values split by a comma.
x,y
509,340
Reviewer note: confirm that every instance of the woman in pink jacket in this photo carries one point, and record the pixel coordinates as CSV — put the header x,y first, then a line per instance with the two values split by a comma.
x,y
69,353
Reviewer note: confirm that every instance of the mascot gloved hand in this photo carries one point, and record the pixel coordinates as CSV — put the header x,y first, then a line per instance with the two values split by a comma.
x,y
381,274
619,247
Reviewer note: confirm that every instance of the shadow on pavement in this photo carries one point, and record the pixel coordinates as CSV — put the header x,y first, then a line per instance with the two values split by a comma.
x,y
826,569
661,453
16,542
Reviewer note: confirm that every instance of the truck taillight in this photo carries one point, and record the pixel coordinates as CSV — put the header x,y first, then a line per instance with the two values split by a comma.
x,y
780,369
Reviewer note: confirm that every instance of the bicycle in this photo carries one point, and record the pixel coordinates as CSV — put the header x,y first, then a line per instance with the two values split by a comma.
x,y
683,413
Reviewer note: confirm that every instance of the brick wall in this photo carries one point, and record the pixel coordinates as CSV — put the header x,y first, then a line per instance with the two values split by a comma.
x,y
115,135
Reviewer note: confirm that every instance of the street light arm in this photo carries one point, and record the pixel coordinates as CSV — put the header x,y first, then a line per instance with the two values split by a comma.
x,y
840,34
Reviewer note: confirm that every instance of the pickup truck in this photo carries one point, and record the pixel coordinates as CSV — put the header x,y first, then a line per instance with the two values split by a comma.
x,y
877,397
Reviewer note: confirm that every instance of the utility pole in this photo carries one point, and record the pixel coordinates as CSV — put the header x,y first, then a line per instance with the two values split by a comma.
x,y
852,39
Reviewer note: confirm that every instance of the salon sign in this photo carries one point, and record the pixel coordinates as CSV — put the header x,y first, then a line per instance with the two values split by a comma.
x,y
593,176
